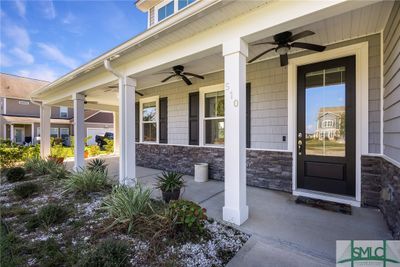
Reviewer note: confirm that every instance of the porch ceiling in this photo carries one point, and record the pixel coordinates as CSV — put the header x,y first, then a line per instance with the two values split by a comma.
x,y
360,22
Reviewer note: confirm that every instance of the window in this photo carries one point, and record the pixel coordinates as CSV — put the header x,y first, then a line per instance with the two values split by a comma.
x,y
213,110
327,124
25,103
149,119
64,132
54,132
63,112
166,11
184,3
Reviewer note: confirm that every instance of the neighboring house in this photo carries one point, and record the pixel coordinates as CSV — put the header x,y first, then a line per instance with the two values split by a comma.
x,y
20,117
248,120
330,123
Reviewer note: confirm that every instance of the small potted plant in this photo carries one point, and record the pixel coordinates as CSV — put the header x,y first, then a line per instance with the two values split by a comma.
x,y
57,154
86,150
170,184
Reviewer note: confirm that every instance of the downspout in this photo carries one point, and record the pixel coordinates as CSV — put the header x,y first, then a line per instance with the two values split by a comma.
x,y
122,130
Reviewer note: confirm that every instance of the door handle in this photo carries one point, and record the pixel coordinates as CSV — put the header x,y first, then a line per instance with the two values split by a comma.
x,y
299,144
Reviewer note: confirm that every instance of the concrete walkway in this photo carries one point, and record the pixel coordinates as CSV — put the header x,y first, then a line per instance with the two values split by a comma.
x,y
283,233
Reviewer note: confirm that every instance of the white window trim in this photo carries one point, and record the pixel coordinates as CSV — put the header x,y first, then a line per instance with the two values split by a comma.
x,y
63,112
162,4
15,128
183,8
202,128
64,129
141,102
360,50
58,131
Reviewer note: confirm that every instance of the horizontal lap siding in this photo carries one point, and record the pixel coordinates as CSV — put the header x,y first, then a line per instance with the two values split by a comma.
x,y
391,106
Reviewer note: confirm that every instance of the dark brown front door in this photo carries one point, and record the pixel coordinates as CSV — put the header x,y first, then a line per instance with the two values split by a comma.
x,y
326,126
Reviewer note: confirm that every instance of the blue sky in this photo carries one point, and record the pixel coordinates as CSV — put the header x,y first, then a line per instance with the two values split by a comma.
x,y
46,39
318,97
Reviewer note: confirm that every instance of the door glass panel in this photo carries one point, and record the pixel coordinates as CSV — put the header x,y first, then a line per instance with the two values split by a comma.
x,y
325,112
18,135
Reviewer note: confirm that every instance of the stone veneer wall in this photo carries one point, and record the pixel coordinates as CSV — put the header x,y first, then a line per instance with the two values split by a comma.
x,y
266,169
380,187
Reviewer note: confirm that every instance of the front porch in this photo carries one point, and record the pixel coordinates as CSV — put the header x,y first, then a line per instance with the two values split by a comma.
x,y
305,234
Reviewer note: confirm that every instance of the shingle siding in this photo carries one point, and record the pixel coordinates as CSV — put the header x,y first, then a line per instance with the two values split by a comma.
x,y
391,106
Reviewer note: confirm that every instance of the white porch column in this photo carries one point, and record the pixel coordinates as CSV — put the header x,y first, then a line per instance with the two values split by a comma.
x,y
12,132
235,53
79,130
45,114
127,160
32,133
116,132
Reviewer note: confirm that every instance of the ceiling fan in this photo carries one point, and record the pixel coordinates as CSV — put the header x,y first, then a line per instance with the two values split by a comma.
x,y
285,41
178,71
112,88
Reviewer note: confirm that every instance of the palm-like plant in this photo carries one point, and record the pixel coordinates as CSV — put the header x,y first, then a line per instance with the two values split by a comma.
x,y
97,165
170,181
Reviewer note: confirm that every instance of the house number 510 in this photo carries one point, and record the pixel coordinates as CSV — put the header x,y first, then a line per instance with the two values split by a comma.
x,y
228,89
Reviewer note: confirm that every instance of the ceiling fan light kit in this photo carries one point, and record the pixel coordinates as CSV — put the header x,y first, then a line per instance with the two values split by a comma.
x,y
284,41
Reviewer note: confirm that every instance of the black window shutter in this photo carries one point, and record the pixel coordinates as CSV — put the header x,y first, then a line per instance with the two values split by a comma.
x,y
163,120
194,118
248,115
137,121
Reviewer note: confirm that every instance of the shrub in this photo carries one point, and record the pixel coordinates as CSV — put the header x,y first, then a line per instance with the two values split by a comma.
x,y
109,146
108,253
39,166
15,174
48,216
127,203
187,216
10,154
25,190
31,152
85,181
60,172
94,150
9,252
58,151
97,165
170,181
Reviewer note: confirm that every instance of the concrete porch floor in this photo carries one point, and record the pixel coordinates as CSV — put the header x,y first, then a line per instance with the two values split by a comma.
x,y
283,233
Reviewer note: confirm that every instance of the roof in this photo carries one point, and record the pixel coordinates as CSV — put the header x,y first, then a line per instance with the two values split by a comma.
x,y
339,109
24,120
13,86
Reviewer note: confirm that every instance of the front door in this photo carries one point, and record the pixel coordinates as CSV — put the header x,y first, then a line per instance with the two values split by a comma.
x,y
19,135
326,126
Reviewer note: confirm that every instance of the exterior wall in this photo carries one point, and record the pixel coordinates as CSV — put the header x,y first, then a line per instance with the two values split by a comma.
x,y
391,106
266,169
381,188
14,108
269,97
101,117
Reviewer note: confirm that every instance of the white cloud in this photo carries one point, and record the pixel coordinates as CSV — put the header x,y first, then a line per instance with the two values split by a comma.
x,y
48,9
19,36
52,52
69,18
40,72
24,56
21,7
89,54
5,61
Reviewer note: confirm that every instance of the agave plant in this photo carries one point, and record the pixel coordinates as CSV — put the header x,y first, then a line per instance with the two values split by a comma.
x,y
97,165
170,184
86,181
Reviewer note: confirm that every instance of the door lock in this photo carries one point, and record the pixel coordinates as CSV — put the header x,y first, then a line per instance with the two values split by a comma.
x,y
299,144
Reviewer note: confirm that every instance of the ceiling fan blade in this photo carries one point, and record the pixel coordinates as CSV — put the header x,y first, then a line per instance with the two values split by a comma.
x,y
260,55
90,102
164,72
186,80
139,93
169,77
284,60
194,75
300,35
263,43
308,46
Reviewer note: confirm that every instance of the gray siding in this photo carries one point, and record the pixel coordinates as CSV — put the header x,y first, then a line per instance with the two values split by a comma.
x,y
269,96
391,106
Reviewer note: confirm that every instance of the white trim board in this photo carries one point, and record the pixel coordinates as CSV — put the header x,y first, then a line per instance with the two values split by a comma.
x,y
141,102
360,50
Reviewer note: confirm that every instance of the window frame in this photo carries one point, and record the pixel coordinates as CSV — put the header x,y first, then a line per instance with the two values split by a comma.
x,y
58,131
202,119
161,5
141,128
60,112
63,128
179,9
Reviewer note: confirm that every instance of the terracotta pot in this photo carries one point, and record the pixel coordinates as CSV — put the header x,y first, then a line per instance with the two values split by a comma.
x,y
171,195
86,154
57,159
